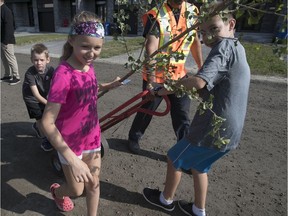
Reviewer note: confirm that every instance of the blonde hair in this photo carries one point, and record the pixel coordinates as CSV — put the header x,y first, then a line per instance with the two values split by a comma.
x,y
83,16
39,49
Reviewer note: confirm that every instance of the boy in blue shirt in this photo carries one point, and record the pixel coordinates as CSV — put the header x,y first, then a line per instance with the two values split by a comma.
x,y
35,88
226,76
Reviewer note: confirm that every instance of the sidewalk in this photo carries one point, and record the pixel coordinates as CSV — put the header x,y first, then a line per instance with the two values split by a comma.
x,y
55,49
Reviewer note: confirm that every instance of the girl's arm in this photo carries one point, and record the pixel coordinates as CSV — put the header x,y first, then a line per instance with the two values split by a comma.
x,y
37,95
80,169
110,85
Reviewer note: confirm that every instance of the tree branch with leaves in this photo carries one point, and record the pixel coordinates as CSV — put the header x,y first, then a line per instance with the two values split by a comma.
x,y
255,10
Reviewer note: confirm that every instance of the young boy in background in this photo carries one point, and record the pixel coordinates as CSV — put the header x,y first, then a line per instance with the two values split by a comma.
x,y
35,88
225,75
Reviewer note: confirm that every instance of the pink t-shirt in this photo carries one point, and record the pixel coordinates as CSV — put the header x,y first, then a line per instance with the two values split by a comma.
x,y
77,120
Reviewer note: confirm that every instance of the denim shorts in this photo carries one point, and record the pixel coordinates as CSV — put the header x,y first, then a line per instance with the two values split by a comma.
x,y
186,156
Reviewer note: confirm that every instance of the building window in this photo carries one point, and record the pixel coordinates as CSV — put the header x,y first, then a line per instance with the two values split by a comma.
x,y
100,8
30,14
45,4
126,2
73,8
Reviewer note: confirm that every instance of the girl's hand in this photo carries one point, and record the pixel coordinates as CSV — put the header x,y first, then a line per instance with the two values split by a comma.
x,y
81,171
111,85
115,83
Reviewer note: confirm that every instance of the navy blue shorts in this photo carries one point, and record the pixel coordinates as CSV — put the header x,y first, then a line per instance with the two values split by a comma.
x,y
186,157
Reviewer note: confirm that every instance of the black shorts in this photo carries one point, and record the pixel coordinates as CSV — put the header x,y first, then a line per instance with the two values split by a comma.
x,y
35,110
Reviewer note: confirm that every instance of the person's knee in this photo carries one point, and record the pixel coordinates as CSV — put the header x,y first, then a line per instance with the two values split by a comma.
x,y
93,187
170,165
198,173
77,190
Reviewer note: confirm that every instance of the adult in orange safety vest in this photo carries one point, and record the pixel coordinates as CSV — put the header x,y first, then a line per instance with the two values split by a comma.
x,y
160,26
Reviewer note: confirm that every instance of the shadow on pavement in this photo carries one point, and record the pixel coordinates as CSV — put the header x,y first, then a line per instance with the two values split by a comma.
x,y
121,195
122,146
24,163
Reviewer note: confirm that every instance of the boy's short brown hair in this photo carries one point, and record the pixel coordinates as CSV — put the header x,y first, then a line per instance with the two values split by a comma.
x,y
39,49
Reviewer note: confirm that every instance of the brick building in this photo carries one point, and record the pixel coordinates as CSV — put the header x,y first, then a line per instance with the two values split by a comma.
x,y
55,16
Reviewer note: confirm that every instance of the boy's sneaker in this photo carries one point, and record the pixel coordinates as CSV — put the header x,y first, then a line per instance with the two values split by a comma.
x,y
35,128
186,207
46,145
153,197
14,81
5,79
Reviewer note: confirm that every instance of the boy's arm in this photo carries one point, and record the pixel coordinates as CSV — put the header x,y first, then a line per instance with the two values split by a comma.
x,y
37,95
192,82
196,50
189,83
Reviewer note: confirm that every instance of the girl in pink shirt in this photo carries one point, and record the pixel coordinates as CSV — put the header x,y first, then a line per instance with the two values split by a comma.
x,y
70,120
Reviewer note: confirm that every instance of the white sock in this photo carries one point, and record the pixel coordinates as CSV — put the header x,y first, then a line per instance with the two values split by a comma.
x,y
198,212
164,201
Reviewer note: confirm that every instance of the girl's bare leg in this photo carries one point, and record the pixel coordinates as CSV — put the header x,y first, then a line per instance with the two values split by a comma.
x,y
71,187
93,160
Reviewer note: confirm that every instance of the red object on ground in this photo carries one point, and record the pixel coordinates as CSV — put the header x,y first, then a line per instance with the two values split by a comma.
x,y
113,118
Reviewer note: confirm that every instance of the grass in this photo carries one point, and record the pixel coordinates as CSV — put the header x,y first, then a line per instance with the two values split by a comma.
x,y
263,61
113,48
39,38
110,48
260,57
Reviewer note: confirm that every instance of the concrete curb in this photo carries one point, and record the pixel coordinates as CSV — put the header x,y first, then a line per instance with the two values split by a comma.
x,y
272,79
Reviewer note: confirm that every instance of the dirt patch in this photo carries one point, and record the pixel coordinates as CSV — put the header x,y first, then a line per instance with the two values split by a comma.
x,y
251,180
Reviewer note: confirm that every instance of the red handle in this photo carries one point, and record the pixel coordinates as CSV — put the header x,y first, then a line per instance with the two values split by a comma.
x,y
135,108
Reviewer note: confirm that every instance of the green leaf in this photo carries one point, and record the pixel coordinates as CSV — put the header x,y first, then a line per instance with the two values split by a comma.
x,y
253,20
239,13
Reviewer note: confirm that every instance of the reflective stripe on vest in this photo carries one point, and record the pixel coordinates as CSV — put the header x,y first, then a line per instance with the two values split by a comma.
x,y
170,29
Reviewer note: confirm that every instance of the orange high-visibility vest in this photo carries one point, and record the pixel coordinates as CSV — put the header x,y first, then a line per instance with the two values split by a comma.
x,y
170,29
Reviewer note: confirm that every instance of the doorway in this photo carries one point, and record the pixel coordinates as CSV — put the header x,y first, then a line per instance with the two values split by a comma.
x,y
46,16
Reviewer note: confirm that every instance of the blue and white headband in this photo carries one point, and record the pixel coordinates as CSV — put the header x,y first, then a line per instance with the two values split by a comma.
x,y
93,29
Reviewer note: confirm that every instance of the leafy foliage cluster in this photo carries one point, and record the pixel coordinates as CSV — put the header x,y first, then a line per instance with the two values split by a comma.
x,y
252,9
